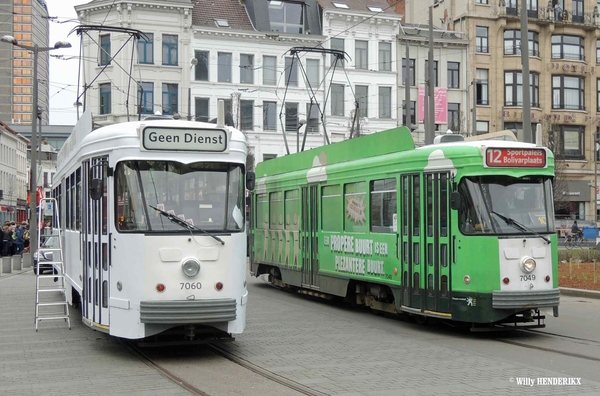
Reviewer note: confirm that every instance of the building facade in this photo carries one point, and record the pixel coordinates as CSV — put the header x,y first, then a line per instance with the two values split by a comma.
x,y
13,175
27,21
564,53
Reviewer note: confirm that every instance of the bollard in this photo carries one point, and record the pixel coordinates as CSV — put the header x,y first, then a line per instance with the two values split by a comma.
x,y
27,263
16,262
6,265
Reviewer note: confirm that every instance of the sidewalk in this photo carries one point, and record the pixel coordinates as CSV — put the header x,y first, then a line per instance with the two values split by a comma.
x,y
58,361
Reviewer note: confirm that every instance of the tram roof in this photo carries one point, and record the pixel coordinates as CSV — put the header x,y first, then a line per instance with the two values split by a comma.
x,y
384,142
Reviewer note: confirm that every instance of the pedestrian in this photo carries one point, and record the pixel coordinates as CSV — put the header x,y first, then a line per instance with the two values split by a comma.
x,y
19,242
557,12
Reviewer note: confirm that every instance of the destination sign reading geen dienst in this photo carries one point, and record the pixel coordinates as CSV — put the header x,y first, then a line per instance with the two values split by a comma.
x,y
178,139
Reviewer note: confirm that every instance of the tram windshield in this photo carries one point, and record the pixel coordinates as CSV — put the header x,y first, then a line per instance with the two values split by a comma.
x,y
526,200
209,196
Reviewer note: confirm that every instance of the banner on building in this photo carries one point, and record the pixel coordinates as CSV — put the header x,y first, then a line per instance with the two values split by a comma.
x,y
440,103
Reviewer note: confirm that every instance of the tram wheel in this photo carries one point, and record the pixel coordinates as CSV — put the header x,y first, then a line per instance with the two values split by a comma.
x,y
420,319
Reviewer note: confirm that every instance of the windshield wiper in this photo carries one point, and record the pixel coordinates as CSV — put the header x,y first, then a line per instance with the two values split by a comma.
x,y
185,224
519,226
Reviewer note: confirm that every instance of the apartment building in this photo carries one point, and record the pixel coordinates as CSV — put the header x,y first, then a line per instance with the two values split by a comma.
x,y
27,21
564,53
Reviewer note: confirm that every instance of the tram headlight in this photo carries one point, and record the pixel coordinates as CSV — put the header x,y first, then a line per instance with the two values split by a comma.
x,y
527,265
190,268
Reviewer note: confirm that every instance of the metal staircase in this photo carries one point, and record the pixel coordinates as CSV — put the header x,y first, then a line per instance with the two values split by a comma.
x,y
50,296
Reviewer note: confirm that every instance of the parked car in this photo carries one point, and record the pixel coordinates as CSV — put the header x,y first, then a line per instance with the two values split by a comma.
x,y
48,243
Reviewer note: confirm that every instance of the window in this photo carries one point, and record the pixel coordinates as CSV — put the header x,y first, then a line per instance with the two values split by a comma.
x,y
568,47
453,75
362,96
104,98
568,92
482,86
312,72
597,51
337,100
291,72
337,44
246,69
169,99
518,128
481,40
413,119
291,117
375,8
361,54
385,102
435,71
354,207
169,50
482,127
569,141
269,70
512,43
331,203
224,67
481,1
577,10
201,72
513,89
201,109
270,116
247,115
385,56
221,22
339,4
146,48
383,205
454,117
412,72
104,49
286,17
598,95
146,98
312,118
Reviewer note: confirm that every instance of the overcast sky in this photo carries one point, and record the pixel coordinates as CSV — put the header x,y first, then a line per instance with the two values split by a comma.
x,y
63,73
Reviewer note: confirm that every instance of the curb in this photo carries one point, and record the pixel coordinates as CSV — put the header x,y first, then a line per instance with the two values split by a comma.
x,y
579,293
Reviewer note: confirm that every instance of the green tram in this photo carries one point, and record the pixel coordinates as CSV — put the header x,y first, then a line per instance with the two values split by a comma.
x,y
462,231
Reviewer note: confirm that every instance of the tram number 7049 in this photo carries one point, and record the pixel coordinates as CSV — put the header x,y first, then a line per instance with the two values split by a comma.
x,y
527,278
190,285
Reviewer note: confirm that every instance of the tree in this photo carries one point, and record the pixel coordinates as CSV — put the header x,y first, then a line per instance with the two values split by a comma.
x,y
552,138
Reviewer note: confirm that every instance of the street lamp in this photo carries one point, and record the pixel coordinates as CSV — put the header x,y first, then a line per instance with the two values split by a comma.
x,y
34,116
596,143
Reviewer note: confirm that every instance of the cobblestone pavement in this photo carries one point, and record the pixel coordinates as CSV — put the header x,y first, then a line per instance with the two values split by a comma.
x,y
346,352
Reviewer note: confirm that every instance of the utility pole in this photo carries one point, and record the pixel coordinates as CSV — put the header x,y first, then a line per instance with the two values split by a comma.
x,y
407,107
527,134
474,84
430,131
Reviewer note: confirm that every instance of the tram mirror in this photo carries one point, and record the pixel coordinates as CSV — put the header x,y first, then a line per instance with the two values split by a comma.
x,y
96,189
250,179
455,200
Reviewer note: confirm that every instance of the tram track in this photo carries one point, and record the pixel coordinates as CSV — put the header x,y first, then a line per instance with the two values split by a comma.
x,y
579,340
173,377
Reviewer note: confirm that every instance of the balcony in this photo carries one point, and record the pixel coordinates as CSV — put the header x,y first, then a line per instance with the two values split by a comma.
x,y
545,15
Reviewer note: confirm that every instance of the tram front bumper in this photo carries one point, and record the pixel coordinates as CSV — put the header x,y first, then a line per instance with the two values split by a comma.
x,y
525,299
188,311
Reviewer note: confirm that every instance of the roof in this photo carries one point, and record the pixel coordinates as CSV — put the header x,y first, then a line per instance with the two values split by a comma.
x,y
361,6
206,11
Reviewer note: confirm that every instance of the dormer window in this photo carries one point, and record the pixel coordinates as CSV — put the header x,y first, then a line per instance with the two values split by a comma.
x,y
375,8
339,4
286,17
221,22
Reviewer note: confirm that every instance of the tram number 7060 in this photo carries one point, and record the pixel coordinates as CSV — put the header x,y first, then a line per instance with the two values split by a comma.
x,y
190,285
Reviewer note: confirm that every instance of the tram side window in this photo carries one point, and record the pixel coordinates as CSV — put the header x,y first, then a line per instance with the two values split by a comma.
x,y
67,203
262,212
331,203
129,216
78,201
383,205
292,210
355,207
276,210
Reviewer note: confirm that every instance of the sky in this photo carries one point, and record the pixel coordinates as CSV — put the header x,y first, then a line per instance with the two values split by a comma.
x,y
63,72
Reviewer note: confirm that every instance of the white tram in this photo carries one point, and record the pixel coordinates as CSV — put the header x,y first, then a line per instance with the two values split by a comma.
x,y
154,226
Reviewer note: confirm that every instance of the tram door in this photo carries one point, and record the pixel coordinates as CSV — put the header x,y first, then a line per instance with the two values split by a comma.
x,y
410,240
435,269
95,244
308,236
